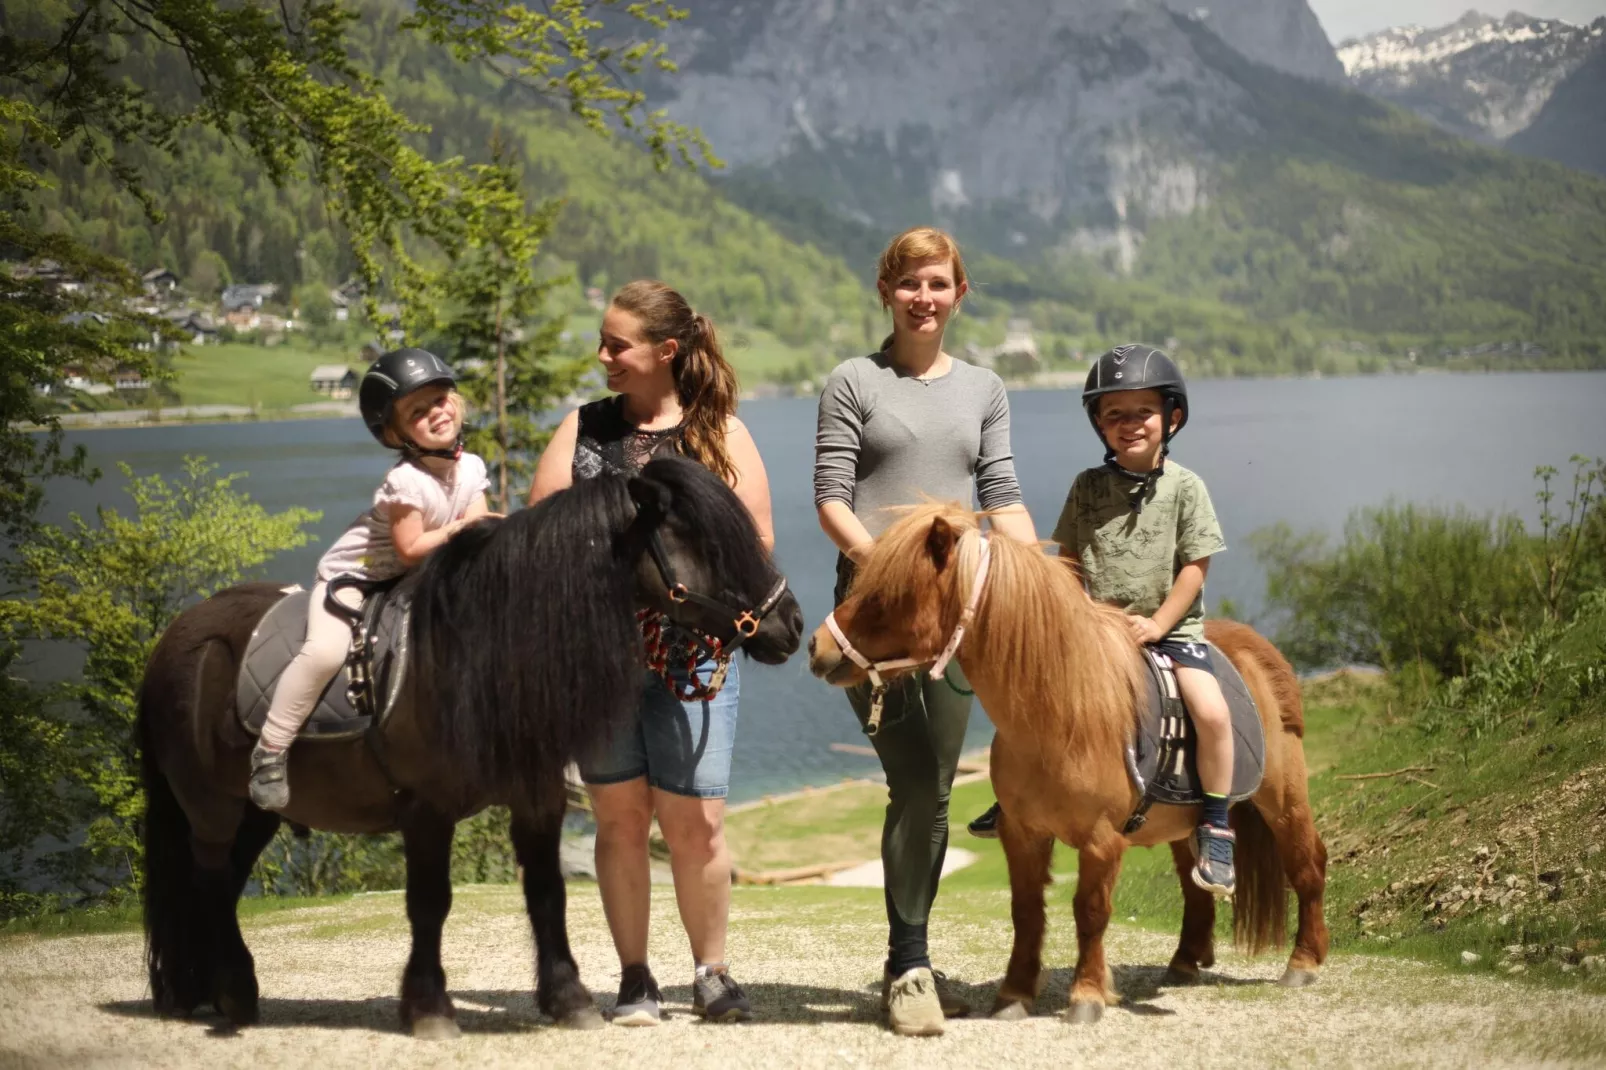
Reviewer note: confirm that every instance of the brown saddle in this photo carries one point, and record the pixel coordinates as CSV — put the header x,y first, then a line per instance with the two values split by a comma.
x,y
1161,759
279,635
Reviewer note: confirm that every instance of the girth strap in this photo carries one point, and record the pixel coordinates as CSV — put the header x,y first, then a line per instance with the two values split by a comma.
x,y
1173,736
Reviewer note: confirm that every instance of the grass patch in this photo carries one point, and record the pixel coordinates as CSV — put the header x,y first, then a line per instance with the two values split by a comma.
x,y
127,918
264,378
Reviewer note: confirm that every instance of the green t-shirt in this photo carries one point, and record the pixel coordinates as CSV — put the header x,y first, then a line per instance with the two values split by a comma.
x,y
1131,559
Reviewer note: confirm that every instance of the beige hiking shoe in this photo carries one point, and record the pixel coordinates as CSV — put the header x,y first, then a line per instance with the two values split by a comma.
x,y
913,1009
952,1005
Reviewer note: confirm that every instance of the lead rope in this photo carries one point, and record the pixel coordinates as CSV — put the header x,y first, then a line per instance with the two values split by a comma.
x,y
657,651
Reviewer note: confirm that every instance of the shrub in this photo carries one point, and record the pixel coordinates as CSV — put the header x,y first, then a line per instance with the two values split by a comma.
x,y
1425,585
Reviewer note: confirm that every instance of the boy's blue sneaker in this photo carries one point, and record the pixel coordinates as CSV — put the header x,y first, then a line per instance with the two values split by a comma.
x,y
985,827
1212,870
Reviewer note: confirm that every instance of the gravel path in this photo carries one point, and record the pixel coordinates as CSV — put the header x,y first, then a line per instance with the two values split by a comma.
x,y
809,959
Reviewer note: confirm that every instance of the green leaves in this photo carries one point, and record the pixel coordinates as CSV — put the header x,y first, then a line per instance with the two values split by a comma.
x,y
1409,584
504,350
106,590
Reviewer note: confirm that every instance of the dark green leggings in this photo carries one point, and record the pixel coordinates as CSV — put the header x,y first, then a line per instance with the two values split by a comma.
x,y
922,733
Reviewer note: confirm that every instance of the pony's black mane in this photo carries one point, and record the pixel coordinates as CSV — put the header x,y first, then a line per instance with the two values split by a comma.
x,y
706,511
525,630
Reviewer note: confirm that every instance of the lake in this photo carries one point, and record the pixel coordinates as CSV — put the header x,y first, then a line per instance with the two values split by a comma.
x,y
1302,451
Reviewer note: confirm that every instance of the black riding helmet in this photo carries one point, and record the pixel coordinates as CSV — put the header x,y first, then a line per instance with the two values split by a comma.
x,y
393,376
1137,367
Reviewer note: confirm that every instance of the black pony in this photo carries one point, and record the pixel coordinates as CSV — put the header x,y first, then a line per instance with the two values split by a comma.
x,y
525,654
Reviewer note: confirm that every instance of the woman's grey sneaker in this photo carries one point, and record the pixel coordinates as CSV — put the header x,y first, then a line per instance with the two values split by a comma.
x,y
270,779
952,1005
639,999
1212,870
913,1009
985,827
717,997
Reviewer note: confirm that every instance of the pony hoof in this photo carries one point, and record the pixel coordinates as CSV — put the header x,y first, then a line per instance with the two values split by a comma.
x,y
1011,1011
1181,975
436,1027
583,1018
1084,1013
237,1011
1296,978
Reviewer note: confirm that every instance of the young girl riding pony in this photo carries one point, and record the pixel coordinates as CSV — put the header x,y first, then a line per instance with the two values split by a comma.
x,y
409,404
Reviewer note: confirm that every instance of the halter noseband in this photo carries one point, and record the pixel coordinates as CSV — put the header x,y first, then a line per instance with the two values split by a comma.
x,y
878,686
745,623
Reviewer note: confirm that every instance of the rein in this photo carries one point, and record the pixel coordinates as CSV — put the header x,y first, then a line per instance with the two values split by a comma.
x,y
878,686
745,623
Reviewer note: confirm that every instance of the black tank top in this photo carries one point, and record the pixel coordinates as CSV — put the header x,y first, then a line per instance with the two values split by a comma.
x,y
608,442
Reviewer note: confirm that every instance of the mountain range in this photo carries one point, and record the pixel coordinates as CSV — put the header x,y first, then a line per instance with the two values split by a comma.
x,y
1532,84
1117,170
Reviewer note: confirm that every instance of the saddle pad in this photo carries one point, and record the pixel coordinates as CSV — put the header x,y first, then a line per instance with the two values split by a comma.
x,y
1179,782
277,639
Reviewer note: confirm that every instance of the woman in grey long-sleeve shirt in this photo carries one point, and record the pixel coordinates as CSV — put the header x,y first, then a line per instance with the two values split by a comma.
x,y
900,425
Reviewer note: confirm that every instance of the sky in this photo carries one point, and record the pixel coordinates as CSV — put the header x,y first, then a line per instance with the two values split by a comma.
x,y
1352,18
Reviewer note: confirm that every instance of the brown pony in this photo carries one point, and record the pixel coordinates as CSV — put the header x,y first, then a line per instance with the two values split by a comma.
x,y
1059,675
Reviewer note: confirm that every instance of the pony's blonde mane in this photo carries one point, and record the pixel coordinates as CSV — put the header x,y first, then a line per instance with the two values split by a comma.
x,y
1067,662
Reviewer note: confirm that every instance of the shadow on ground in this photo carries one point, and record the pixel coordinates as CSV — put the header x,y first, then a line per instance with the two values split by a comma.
x,y
513,1010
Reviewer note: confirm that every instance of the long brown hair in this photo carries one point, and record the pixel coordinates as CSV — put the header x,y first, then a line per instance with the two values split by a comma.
x,y
704,380
917,245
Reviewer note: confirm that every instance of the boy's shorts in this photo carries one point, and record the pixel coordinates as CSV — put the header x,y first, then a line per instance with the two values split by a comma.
x,y
1185,654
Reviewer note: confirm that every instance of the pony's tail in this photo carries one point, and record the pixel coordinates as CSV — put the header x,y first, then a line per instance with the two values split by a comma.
x,y
178,949
1260,905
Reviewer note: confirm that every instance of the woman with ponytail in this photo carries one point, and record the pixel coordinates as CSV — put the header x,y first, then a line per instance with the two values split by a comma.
x,y
673,393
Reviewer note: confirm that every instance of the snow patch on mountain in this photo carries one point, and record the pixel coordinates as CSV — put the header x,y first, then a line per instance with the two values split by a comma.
x,y
1482,76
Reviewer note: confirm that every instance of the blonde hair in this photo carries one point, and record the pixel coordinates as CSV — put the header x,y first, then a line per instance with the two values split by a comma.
x,y
917,245
704,380
395,435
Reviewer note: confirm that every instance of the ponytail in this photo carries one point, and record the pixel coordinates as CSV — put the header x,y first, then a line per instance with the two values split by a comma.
x,y
704,381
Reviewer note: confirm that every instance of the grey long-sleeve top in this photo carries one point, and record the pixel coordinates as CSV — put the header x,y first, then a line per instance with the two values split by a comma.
x,y
886,438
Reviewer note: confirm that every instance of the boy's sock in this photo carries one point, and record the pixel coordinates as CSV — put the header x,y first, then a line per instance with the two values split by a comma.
x,y
1215,811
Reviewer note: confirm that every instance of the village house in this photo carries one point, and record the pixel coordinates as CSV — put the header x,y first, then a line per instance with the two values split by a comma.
x,y
346,296
159,282
199,327
1015,355
130,379
334,380
247,295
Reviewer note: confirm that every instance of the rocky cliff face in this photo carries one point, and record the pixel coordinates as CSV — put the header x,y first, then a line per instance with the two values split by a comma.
x,y
1482,77
1571,128
1015,113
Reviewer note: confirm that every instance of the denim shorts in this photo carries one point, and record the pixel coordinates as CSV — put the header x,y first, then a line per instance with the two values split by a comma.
x,y
1185,654
683,748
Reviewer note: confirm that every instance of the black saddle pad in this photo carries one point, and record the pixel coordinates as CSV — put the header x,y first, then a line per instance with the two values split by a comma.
x,y
1178,782
279,636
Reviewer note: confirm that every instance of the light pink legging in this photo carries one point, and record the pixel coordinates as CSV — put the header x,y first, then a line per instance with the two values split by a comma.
x,y
309,672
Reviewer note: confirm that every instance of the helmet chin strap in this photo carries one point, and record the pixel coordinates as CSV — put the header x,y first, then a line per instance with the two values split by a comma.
x,y
1150,478
412,449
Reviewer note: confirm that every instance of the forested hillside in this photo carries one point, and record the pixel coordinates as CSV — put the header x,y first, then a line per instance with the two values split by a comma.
x,y
621,219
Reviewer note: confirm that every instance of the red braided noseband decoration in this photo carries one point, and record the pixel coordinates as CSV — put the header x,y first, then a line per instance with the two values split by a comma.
x,y
657,657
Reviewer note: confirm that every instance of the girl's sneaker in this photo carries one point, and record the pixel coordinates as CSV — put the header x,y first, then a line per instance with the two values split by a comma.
x,y
270,778
718,998
639,998
1213,870
985,827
